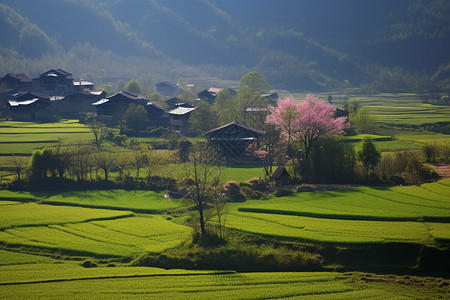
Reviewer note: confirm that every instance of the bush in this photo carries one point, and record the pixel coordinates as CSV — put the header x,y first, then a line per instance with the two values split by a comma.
x,y
232,191
281,192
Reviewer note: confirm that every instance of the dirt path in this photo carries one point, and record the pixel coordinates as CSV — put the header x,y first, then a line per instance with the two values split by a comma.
x,y
442,169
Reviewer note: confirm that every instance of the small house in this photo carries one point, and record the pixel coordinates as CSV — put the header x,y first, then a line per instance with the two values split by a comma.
x,y
281,176
179,118
230,141
31,107
157,116
18,82
168,89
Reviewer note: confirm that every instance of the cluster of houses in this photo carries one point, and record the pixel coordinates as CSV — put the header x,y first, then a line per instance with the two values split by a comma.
x,y
55,93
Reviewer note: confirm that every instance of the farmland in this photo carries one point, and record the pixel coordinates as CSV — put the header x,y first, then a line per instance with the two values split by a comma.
x,y
108,242
71,281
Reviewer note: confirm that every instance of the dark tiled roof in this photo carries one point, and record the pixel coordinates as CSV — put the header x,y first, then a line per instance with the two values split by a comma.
x,y
20,76
58,72
237,123
129,95
279,172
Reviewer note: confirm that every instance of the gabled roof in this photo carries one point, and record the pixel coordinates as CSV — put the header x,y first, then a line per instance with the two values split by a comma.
x,y
100,102
216,131
173,85
83,83
56,72
129,95
280,171
20,77
22,103
181,110
22,96
154,105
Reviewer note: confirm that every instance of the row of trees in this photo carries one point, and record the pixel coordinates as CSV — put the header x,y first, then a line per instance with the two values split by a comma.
x,y
84,162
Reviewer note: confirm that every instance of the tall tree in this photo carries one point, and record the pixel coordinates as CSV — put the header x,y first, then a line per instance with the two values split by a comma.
x,y
204,118
135,117
255,81
304,122
133,86
368,154
203,180
99,130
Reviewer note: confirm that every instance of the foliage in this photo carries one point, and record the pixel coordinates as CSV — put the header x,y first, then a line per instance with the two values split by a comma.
x,y
135,117
99,130
133,86
332,160
363,121
368,154
255,81
302,123
202,119
157,99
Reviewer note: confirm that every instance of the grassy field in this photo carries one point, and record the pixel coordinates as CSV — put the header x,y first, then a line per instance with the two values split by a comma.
x,y
350,216
430,201
138,201
397,108
87,231
74,282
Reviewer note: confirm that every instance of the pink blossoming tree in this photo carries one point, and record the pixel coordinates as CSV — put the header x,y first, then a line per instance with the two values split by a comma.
x,y
302,123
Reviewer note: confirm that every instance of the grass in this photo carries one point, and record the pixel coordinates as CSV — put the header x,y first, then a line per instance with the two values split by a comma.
x,y
15,258
138,201
351,216
118,237
71,281
333,231
32,214
429,202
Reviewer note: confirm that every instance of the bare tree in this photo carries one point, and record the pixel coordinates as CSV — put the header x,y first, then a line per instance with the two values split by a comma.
x,y
19,164
99,130
203,180
104,161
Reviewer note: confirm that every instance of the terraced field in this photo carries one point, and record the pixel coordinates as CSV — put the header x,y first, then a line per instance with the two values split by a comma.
x,y
355,215
84,231
70,281
23,137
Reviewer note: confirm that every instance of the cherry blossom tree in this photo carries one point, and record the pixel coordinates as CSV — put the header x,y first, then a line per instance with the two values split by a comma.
x,y
302,123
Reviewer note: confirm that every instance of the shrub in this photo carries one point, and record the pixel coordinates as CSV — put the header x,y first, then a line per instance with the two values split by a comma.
x,y
232,190
281,192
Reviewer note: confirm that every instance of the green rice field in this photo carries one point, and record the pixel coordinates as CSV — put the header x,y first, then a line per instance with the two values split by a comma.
x,y
65,281
87,231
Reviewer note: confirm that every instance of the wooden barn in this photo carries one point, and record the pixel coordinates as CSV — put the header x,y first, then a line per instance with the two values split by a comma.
x,y
229,142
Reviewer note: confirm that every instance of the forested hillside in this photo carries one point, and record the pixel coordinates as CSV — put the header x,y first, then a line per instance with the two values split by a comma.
x,y
300,45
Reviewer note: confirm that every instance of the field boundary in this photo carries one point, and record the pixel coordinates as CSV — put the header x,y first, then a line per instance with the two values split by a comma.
x,y
345,217
134,210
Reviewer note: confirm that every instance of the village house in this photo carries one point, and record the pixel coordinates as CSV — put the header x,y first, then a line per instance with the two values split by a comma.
x,y
54,82
230,141
209,95
168,89
31,107
179,118
173,103
157,116
76,104
17,82
110,110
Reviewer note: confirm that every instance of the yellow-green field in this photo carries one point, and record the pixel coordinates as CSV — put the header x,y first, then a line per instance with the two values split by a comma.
x,y
64,281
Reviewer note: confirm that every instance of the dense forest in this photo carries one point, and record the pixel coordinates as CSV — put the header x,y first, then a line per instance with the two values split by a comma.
x,y
297,45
